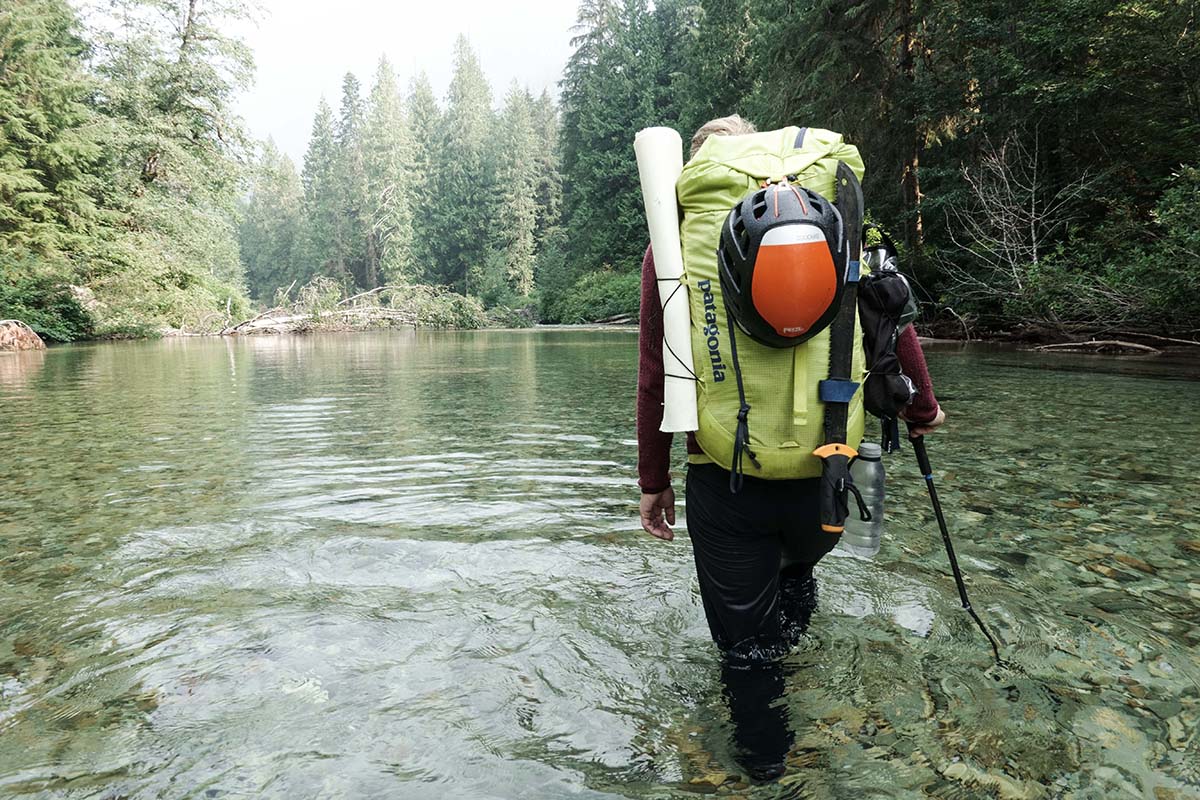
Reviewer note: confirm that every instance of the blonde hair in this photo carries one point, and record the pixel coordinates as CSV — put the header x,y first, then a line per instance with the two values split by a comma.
x,y
733,125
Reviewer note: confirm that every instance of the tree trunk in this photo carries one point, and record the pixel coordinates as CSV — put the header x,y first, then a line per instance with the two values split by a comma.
x,y
910,181
189,29
372,265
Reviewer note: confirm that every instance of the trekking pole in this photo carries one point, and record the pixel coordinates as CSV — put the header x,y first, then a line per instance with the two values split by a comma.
x,y
918,443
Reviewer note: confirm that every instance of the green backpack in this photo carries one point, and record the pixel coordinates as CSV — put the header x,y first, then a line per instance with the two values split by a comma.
x,y
781,385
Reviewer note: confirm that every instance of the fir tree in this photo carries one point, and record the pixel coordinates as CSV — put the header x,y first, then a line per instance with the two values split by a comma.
x,y
549,181
517,178
425,125
270,231
170,74
464,205
47,152
352,230
321,209
387,153
611,90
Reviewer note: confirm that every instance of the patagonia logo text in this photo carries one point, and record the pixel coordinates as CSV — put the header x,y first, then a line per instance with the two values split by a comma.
x,y
712,331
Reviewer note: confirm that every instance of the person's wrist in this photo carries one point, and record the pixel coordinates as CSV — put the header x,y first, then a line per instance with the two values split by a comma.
x,y
937,409
662,485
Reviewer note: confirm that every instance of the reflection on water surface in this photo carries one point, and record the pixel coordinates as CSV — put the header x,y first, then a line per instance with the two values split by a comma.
x,y
405,565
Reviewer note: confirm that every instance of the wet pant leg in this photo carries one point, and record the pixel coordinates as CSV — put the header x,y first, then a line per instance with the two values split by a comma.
x,y
737,556
754,551
754,555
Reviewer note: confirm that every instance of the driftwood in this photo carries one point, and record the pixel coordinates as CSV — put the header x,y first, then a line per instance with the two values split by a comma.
x,y
616,319
1155,338
277,320
1101,346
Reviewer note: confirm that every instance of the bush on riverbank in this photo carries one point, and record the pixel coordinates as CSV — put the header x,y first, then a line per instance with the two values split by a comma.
x,y
43,300
598,296
1019,258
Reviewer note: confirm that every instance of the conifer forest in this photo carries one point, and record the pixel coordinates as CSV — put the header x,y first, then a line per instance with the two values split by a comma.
x,y
1038,164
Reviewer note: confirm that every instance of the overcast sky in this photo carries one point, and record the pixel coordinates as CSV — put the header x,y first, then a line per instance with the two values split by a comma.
x,y
303,48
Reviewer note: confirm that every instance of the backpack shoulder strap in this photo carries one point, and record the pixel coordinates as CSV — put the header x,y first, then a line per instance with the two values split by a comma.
x,y
837,391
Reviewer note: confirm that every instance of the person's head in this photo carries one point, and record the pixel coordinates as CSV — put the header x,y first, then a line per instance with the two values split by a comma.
x,y
733,125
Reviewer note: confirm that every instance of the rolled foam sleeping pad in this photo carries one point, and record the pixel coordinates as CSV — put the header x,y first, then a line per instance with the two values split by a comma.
x,y
660,161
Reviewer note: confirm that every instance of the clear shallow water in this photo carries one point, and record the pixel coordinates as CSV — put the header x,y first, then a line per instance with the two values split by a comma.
x,y
406,565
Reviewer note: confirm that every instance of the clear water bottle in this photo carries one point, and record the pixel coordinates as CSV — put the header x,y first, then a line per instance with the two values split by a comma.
x,y
862,538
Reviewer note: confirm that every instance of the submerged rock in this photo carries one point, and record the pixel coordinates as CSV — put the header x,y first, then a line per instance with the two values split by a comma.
x,y
16,335
1003,785
1136,563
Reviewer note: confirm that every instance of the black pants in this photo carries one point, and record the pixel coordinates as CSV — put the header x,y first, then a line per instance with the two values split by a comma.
x,y
754,552
744,544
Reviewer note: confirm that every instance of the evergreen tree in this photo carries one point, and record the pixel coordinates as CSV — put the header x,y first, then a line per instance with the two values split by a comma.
x,y
171,74
387,153
713,76
611,89
464,208
321,209
47,152
880,75
270,231
549,180
352,229
518,177
425,126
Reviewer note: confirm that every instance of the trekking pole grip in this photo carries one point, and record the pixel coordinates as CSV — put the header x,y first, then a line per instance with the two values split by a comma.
x,y
918,443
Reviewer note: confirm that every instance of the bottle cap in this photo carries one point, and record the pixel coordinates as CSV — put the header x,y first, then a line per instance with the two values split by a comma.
x,y
870,451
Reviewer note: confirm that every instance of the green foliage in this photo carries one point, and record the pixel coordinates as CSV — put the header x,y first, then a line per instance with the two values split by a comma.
x,y
120,165
616,82
43,301
517,179
425,123
601,295
387,154
437,307
48,148
174,149
398,191
321,212
523,316
463,208
272,220
124,172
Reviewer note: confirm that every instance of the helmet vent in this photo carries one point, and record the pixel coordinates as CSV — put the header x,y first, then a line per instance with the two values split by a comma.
x,y
743,238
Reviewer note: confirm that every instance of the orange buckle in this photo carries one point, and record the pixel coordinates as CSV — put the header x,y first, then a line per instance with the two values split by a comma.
x,y
835,449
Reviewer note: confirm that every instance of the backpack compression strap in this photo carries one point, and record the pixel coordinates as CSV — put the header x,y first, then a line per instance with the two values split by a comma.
x,y
837,391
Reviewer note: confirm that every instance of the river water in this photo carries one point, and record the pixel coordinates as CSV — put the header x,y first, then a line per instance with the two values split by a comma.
x,y
408,565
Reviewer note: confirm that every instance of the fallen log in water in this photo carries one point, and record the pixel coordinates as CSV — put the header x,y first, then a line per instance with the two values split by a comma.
x,y
616,319
1101,346
277,320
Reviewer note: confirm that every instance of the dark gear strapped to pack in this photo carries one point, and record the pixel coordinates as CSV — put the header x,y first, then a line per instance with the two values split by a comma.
x,y
886,306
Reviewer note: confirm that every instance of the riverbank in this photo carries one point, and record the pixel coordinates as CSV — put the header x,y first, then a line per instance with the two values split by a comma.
x,y
321,309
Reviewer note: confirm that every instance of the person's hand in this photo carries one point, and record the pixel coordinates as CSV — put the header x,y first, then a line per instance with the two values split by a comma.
x,y
653,508
920,429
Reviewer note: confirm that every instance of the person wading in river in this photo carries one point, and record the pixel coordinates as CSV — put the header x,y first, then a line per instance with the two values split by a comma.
x,y
755,548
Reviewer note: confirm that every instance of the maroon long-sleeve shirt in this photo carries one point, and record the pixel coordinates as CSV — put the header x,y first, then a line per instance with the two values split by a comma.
x,y
654,446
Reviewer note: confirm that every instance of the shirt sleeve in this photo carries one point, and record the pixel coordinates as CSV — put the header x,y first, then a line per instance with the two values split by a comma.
x,y
654,446
924,406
